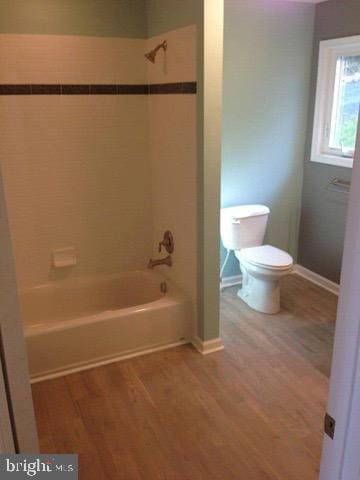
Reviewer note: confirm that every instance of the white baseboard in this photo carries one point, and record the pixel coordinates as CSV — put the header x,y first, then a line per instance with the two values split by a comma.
x,y
101,362
230,281
317,279
208,346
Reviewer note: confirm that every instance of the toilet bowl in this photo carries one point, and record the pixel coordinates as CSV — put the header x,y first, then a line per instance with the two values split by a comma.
x,y
262,268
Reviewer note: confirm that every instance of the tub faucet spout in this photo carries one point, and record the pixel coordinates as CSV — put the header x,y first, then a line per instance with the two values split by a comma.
x,y
161,261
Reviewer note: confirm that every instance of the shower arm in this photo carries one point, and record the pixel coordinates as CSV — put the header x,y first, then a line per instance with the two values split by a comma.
x,y
161,45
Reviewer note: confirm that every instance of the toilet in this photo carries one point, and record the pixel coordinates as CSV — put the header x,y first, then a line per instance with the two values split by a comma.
x,y
243,229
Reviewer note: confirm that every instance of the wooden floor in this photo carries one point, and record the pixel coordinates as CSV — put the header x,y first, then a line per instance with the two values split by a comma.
x,y
252,412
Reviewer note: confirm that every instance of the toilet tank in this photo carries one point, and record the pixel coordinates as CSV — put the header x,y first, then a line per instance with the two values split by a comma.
x,y
243,226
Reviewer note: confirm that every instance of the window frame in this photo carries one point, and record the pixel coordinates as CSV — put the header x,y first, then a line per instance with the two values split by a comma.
x,y
329,52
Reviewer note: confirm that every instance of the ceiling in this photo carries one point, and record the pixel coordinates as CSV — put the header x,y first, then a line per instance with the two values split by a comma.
x,y
307,1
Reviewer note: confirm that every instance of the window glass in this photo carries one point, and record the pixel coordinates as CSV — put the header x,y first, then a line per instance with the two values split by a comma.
x,y
345,107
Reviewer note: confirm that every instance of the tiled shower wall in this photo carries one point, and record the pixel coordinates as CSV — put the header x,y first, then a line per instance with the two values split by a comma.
x,y
172,142
103,173
75,167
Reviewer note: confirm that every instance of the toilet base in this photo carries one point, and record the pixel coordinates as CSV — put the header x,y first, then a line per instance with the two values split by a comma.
x,y
261,295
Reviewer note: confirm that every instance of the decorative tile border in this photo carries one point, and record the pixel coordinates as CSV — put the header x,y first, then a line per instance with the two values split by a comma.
x,y
100,89
166,88
44,89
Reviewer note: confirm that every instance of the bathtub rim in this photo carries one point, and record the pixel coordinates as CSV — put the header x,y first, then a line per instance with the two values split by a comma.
x,y
174,295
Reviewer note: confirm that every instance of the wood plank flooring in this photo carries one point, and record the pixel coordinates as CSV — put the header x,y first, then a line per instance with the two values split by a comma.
x,y
252,412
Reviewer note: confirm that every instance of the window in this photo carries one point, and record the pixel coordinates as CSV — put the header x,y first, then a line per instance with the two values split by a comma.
x,y
337,102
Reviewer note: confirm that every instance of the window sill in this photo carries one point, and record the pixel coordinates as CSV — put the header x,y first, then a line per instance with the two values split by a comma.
x,y
333,160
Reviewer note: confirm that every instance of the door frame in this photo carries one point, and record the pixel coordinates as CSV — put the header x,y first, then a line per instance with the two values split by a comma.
x,y
17,425
340,457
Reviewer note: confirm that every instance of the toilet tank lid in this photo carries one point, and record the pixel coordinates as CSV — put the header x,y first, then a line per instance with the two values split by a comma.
x,y
244,211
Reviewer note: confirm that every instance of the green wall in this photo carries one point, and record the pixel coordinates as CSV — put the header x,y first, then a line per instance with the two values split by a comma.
x,y
323,216
209,97
267,59
103,18
166,15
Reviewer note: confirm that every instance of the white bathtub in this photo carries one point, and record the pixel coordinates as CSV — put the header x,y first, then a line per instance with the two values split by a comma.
x,y
84,322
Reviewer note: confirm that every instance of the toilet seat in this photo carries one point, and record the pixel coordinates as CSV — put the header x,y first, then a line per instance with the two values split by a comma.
x,y
266,256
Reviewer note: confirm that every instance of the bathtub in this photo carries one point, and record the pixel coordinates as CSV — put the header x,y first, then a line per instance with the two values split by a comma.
x,y
85,322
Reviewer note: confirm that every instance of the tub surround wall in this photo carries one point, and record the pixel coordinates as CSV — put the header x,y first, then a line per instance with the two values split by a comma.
x,y
73,179
267,57
92,186
71,59
172,148
93,65
323,217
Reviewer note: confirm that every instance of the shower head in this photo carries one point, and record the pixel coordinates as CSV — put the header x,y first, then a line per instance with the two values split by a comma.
x,y
152,54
